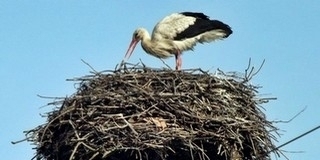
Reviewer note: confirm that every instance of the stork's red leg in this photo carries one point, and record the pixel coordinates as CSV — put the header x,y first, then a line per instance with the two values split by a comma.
x,y
178,60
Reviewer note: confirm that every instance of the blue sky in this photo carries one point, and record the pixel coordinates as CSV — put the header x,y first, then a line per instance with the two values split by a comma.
x,y
42,44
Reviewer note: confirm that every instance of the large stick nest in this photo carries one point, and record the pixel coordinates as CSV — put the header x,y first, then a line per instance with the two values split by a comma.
x,y
140,113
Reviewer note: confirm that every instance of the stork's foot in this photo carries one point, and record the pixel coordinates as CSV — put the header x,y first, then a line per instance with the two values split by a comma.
x,y
178,66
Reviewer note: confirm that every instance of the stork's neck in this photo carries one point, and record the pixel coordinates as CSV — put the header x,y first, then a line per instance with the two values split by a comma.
x,y
145,35
146,42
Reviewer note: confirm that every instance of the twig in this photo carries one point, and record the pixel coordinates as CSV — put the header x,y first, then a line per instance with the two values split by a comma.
x,y
165,63
15,142
48,125
48,97
89,66
295,116
74,151
250,74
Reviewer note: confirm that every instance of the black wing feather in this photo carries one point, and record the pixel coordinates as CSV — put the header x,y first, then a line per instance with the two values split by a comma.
x,y
201,25
196,15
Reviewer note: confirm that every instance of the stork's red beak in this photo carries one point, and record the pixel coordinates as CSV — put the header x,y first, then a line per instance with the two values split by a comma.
x,y
132,45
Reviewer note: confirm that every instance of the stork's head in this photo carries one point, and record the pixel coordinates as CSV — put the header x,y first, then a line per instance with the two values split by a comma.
x,y
138,34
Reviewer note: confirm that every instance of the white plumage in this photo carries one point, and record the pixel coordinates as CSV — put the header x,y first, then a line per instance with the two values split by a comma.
x,y
171,25
178,32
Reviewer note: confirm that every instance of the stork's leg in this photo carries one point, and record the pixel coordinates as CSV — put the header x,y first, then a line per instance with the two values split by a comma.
x,y
178,60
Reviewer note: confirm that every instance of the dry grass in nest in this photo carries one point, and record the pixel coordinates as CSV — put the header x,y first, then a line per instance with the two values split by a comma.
x,y
141,113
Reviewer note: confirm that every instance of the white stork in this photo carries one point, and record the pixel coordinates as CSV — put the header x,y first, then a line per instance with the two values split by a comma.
x,y
178,32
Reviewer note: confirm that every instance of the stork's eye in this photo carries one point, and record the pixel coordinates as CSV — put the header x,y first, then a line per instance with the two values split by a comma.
x,y
135,34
